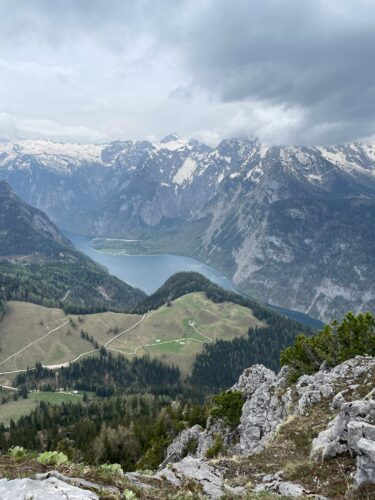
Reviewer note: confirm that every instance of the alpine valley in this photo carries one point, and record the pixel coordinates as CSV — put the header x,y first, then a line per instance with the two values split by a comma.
x,y
191,392
291,226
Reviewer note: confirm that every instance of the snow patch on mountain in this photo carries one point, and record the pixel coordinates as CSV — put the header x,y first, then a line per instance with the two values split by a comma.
x,y
176,145
186,172
41,147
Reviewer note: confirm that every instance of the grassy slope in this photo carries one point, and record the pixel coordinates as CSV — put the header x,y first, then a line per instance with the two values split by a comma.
x,y
25,322
16,409
216,321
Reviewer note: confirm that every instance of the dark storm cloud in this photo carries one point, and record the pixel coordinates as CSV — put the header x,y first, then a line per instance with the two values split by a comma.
x,y
314,55
296,71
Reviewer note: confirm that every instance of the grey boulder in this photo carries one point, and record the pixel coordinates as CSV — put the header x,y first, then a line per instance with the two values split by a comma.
x,y
36,489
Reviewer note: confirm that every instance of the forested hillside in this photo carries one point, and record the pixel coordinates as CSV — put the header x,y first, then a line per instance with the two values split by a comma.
x,y
221,363
108,375
38,264
77,287
27,234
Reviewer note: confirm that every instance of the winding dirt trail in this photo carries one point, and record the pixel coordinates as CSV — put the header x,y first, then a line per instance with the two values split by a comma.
x,y
34,342
67,363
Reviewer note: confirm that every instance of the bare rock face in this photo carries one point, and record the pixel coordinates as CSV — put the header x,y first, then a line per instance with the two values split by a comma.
x,y
179,448
214,428
352,431
252,378
267,405
325,384
365,461
268,400
345,430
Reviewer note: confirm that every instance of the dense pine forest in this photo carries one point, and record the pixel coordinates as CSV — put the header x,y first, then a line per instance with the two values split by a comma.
x,y
108,375
221,363
91,288
115,430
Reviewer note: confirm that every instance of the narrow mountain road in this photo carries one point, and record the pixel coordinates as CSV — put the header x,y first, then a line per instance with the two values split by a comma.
x,y
67,363
65,296
192,324
55,367
8,387
32,343
128,330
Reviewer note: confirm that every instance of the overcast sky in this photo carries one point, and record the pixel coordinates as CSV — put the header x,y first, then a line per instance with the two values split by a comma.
x,y
285,71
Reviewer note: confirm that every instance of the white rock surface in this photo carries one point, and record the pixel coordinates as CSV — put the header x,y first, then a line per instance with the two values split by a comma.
x,y
365,462
47,489
252,378
178,449
264,409
267,402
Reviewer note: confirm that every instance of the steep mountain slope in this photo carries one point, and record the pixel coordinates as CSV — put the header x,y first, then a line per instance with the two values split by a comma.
x,y
38,264
290,226
26,233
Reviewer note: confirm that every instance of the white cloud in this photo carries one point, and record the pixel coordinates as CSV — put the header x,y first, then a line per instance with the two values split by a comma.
x,y
285,71
14,128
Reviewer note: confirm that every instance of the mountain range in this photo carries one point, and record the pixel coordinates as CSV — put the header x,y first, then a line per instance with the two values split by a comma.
x,y
292,226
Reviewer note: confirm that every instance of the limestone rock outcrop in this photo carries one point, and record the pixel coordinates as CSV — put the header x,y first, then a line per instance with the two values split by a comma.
x,y
209,478
42,489
269,400
365,462
345,430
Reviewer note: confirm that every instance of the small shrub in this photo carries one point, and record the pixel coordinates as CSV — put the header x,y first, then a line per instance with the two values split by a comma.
x,y
129,495
52,458
17,452
355,335
228,406
192,446
216,448
112,469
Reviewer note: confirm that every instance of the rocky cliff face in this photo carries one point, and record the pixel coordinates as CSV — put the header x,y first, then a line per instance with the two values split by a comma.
x,y
322,424
284,223
311,439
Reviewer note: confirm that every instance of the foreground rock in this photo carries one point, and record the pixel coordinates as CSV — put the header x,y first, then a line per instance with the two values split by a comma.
x,y
353,423
42,489
365,462
285,488
177,450
269,402
209,478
